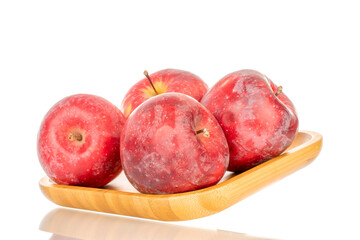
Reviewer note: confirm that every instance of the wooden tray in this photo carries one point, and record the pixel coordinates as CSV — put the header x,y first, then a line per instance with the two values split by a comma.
x,y
120,198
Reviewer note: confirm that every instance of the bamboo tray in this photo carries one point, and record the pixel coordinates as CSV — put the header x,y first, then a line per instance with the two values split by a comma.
x,y
120,198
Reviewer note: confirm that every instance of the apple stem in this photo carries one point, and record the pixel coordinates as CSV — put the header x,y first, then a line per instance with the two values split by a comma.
x,y
152,85
278,90
204,131
75,136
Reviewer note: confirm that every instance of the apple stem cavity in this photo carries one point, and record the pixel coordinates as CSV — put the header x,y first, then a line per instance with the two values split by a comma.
x,y
278,90
204,132
75,136
152,85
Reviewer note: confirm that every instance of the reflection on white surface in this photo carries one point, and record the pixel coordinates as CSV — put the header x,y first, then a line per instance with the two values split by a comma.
x,y
69,224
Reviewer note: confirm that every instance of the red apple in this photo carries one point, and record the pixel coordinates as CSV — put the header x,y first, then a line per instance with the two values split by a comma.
x,y
168,80
259,121
171,144
78,141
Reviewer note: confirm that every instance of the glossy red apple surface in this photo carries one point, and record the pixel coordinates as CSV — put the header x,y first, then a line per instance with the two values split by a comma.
x,y
168,80
171,144
258,119
78,141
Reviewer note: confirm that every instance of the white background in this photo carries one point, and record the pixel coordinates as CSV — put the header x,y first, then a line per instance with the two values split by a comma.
x,y
52,49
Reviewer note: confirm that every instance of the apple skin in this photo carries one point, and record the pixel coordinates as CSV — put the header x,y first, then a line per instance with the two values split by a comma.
x,y
161,152
93,160
258,125
167,80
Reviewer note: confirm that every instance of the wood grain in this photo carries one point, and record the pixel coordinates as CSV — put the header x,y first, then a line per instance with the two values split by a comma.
x,y
189,205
